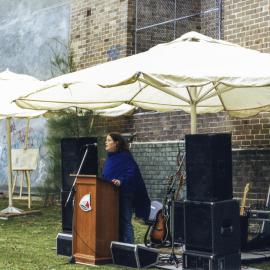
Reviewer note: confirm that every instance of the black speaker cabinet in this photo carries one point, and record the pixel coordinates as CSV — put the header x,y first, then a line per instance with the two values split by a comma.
x,y
67,211
64,244
244,223
212,226
72,152
209,167
206,261
130,255
178,222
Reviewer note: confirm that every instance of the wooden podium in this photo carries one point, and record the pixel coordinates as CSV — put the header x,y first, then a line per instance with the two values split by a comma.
x,y
95,225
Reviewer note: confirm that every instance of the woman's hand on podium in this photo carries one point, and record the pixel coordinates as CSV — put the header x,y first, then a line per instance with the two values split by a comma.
x,y
116,182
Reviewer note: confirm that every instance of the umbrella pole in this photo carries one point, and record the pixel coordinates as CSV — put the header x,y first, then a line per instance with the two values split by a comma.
x,y
9,162
10,208
27,134
193,116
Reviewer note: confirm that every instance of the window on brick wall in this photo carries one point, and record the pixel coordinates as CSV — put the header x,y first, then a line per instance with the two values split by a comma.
x,y
160,21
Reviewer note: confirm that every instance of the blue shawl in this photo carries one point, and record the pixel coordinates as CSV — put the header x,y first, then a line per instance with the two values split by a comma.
x,y
122,166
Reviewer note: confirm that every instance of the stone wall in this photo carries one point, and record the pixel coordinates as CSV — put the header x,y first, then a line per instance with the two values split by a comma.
x,y
29,33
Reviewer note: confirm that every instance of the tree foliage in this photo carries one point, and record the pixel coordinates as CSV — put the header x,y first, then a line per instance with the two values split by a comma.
x,y
64,125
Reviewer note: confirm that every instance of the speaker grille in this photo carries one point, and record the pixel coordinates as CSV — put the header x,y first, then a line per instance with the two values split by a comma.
x,y
212,226
209,167
178,222
133,255
72,152
198,225
203,261
147,257
124,254
64,244
67,211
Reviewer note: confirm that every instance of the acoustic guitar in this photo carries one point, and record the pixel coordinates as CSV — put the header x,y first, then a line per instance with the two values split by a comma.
x,y
159,230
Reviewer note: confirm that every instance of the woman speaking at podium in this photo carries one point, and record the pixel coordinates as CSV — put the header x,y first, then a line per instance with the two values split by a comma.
x,y
122,170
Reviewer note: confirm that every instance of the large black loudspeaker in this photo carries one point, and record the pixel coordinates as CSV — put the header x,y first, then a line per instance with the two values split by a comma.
x,y
72,152
212,226
204,261
130,255
67,211
209,167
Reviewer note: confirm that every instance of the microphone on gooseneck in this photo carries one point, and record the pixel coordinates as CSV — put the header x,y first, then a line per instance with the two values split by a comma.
x,y
90,144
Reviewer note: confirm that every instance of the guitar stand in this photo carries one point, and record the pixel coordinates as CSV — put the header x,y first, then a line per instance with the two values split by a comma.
x,y
173,258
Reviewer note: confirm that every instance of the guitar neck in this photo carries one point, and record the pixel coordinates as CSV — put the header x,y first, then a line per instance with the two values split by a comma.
x,y
243,201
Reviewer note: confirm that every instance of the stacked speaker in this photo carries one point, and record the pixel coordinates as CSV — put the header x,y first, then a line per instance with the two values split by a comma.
x,y
211,216
72,152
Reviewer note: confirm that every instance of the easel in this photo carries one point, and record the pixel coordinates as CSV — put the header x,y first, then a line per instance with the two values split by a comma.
x,y
25,174
22,168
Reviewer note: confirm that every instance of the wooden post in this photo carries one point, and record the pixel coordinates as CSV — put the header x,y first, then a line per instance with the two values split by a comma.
x,y
28,180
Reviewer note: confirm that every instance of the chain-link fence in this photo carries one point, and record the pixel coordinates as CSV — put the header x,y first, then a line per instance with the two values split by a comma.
x,y
160,21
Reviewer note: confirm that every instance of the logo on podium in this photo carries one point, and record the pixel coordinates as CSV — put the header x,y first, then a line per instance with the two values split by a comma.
x,y
85,203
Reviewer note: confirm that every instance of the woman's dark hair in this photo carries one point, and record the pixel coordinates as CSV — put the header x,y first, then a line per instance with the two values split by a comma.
x,y
121,145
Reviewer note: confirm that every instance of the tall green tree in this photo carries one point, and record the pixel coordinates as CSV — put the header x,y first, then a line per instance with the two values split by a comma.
x,y
63,125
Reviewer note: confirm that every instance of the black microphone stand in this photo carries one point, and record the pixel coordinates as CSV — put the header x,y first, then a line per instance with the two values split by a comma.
x,y
171,203
173,258
77,174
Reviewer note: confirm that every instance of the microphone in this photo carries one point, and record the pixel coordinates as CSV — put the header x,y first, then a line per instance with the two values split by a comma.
x,y
129,137
130,140
90,144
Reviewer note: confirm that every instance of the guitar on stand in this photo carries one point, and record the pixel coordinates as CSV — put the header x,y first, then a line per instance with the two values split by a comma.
x,y
159,230
174,193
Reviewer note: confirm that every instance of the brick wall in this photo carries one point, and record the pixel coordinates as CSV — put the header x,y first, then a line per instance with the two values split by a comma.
x,y
157,162
101,30
253,132
251,166
247,22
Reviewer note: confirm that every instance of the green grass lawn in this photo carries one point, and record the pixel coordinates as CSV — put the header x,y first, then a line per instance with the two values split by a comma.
x,y
29,243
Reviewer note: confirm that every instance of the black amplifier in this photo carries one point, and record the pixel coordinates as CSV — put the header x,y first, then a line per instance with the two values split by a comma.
x,y
207,261
259,214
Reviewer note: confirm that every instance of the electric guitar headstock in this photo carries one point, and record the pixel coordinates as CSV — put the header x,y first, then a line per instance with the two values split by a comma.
x,y
243,201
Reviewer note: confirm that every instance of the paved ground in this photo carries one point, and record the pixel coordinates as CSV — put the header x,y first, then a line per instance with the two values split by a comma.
x,y
167,261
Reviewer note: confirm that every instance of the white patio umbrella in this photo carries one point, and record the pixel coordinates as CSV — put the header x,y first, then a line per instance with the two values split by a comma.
x,y
13,85
194,73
